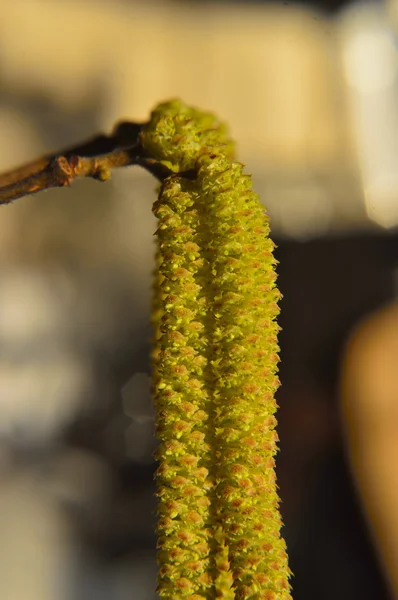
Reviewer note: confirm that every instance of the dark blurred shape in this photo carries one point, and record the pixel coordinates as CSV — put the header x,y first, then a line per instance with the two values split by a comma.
x,y
125,134
332,555
326,6
328,286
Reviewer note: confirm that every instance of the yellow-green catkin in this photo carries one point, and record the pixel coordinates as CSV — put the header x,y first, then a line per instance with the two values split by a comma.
x,y
182,401
215,369
245,358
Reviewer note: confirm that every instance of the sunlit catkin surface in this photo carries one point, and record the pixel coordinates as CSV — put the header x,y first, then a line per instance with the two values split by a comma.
x,y
215,370
244,308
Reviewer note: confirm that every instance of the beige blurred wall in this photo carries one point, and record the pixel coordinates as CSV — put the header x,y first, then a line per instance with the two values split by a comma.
x,y
270,71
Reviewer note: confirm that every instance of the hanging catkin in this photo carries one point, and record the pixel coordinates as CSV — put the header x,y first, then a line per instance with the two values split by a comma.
x,y
215,369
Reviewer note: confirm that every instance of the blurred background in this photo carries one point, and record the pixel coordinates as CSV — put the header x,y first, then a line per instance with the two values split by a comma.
x,y
310,92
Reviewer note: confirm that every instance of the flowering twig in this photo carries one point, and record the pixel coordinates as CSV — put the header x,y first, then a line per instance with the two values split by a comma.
x,y
215,355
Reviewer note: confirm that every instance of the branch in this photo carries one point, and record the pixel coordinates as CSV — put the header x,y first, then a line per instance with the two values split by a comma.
x,y
94,158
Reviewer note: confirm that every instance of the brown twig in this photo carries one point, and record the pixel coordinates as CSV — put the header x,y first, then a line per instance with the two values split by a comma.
x,y
94,158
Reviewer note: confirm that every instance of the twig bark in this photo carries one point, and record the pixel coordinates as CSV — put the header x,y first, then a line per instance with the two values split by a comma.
x,y
95,158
